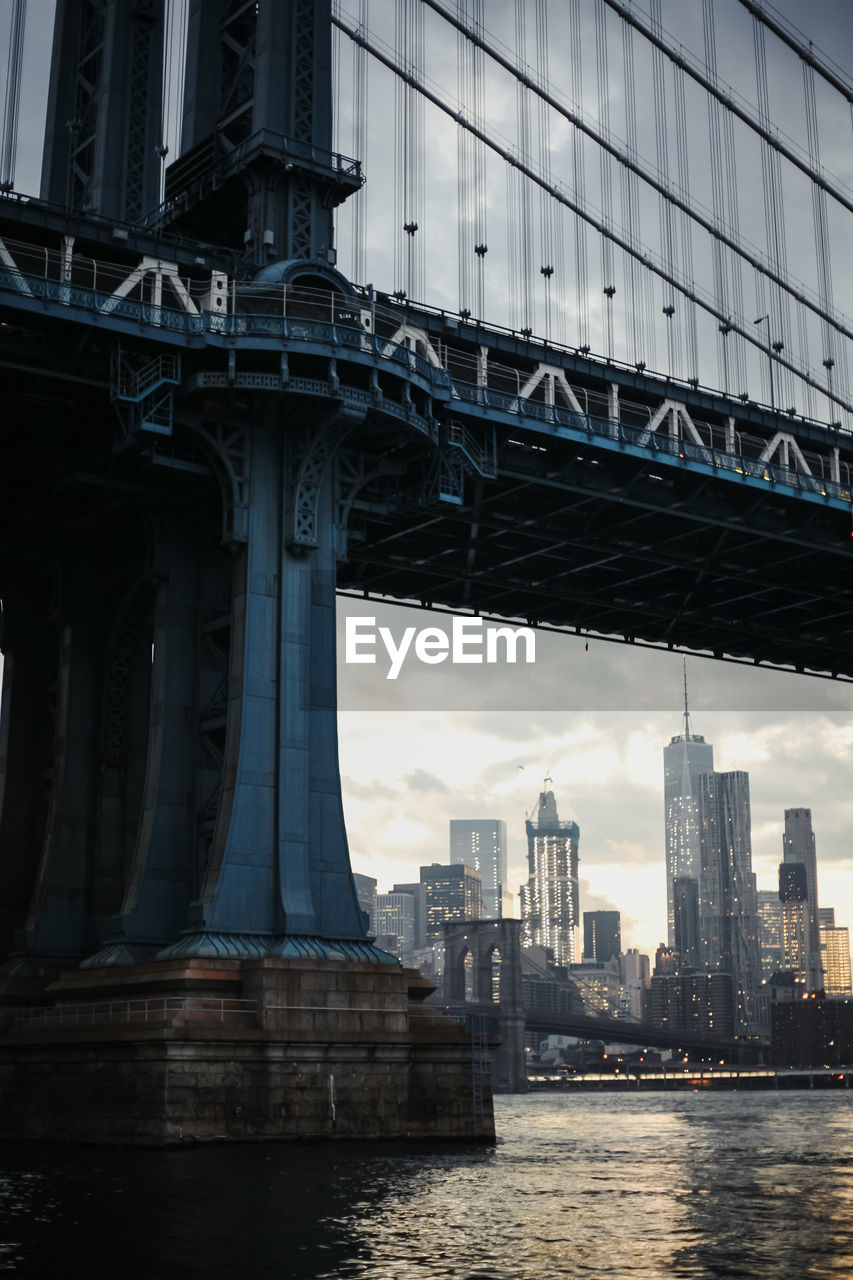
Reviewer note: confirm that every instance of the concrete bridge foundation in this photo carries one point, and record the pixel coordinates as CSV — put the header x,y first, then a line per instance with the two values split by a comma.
x,y
197,1050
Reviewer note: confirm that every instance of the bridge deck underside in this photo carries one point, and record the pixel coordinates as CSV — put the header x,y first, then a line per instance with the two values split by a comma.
x,y
599,542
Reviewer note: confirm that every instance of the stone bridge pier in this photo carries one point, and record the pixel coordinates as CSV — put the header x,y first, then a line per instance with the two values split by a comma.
x,y
483,970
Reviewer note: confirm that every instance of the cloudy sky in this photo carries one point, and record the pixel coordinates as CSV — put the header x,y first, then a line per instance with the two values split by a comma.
x,y
445,742
448,742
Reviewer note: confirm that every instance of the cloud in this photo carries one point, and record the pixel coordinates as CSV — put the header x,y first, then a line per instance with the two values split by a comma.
x,y
421,780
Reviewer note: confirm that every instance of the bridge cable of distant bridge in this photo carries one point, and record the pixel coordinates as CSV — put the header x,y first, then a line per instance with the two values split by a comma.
x,y
603,224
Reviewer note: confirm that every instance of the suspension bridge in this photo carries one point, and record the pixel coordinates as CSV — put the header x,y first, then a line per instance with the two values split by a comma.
x,y
577,382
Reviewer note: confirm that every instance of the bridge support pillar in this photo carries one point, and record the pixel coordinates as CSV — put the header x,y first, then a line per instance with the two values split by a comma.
x,y
483,971
188,1051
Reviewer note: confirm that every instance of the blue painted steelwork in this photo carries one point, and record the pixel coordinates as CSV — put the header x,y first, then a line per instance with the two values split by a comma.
x,y
237,946
351,342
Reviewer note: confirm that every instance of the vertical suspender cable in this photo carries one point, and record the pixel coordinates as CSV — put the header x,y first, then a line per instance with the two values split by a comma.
x,y
684,223
419,145
478,99
12,103
359,144
640,329
524,252
606,177
834,350
715,149
666,213
464,148
409,115
547,210
166,101
399,131
579,182
182,76
735,261
728,267
471,162
779,328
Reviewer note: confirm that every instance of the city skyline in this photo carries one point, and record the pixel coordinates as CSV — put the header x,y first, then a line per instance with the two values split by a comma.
x,y
443,754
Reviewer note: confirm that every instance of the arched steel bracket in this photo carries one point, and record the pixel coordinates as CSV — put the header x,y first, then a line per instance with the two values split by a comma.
x,y
313,452
354,471
226,445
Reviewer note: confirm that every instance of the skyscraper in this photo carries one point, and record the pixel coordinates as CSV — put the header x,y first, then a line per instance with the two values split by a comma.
x,y
365,888
728,905
452,893
835,951
395,918
798,845
550,900
602,936
481,843
686,907
793,895
770,931
685,759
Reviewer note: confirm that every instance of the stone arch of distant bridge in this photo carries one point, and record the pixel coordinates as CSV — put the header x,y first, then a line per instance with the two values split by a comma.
x,y
485,941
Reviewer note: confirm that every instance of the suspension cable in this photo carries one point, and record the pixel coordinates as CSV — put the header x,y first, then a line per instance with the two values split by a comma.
x,y
617,237
579,185
605,176
805,50
602,136
12,106
785,146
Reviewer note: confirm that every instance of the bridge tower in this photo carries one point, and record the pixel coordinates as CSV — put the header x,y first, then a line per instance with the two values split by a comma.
x,y
171,805
490,952
241,857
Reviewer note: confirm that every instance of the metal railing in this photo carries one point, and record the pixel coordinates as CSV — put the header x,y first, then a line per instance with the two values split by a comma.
x,y
110,1012
349,332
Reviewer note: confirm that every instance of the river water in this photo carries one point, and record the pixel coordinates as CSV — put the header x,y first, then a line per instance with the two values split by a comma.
x,y
578,1185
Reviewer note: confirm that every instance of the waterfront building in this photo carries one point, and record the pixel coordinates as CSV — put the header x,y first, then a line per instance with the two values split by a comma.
x,y
811,1033
481,843
685,901
395,917
602,936
546,987
418,892
691,1001
685,759
667,959
728,906
770,931
453,892
550,898
798,845
634,972
835,949
365,889
793,896
599,984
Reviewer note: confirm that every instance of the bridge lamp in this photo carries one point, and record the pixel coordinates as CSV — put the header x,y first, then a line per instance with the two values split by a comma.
x,y
771,347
